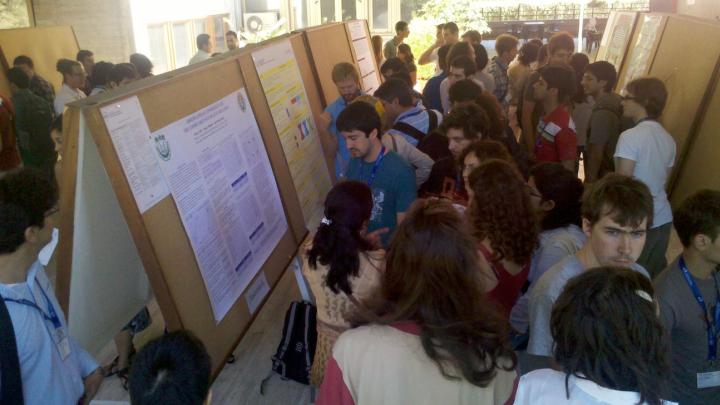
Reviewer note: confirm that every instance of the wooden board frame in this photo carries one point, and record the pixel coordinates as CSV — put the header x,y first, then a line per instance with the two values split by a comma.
x,y
328,44
356,61
169,262
45,45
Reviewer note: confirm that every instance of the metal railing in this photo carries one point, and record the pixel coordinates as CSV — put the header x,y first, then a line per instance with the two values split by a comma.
x,y
558,12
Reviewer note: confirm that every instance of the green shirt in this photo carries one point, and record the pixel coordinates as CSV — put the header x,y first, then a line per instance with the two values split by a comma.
x,y
33,117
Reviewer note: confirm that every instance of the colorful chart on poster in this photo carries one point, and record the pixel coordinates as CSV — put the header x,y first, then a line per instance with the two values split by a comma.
x,y
218,171
286,96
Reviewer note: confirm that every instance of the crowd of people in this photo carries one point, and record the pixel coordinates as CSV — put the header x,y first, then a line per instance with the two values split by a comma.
x,y
462,256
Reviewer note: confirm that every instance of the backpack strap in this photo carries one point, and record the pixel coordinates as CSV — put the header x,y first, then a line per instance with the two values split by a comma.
x,y
410,130
432,120
11,391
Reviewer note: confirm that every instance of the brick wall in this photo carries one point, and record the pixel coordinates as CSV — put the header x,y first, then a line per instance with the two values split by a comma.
x,y
102,26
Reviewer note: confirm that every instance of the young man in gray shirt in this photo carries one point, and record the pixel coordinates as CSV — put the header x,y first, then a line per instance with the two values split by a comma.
x,y
688,294
616,214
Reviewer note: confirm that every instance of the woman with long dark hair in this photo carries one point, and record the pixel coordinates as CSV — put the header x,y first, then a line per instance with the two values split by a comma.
x,y
505,228
555,194
609,344
432,338
340,265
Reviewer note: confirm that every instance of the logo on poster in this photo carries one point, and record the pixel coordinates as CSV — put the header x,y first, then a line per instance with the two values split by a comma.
x,y
241,102
162,147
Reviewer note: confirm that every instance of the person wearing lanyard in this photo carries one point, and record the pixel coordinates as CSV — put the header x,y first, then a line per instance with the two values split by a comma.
x,y
391,180
54,369
407,119
647,152
688,292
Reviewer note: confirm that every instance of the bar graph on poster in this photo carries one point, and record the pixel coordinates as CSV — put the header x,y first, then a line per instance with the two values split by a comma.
x,y
285,93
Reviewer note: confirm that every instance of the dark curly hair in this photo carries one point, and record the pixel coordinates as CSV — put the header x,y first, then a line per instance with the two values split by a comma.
x,y
431,253
488,103
348,206
605,331
501,211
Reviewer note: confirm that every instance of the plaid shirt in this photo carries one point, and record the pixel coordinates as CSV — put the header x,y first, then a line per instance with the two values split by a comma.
x,y
499,72
41,88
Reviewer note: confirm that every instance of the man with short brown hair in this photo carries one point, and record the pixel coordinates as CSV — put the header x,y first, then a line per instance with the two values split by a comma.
x,y
506,48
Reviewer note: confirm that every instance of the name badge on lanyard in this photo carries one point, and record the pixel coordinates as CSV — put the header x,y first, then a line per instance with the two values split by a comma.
x,y
711,378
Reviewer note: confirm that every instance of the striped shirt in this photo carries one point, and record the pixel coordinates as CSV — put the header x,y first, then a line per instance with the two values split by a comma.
x,y
418,118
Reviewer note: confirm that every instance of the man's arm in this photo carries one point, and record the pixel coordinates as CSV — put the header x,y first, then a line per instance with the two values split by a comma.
x,y
426,56
624,166
595,152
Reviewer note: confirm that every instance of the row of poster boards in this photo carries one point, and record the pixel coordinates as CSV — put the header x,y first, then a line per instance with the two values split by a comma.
x,y
683,53
198,185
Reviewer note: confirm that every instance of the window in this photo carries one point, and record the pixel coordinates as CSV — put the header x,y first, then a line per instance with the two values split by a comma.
x,y
327,11
349,11
380,15
159,48
181,44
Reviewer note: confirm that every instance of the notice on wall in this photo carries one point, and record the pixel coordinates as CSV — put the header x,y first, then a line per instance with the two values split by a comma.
x,y
131,138
219,174
364,55
642,52
621,31
285,93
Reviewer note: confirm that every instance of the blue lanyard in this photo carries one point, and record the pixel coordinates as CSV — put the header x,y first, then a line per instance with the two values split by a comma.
x,y
53,317
375,166
712,324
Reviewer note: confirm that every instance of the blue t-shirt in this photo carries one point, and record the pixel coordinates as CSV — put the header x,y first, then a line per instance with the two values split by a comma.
x,y
393,189
431,92
342,156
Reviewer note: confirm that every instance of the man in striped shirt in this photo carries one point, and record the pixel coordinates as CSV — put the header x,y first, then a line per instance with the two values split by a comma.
x,y
414,123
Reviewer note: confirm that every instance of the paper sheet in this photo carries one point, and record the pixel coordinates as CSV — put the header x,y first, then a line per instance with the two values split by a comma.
x,y
364,55
257,292
285,93
220,177
130,135
641,54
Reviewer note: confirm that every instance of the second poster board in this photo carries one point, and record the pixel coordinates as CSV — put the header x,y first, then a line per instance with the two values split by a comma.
x,y
616,38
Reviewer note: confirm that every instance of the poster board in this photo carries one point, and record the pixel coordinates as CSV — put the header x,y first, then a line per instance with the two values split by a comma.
x,y
278,71
643,47
45,45
618,33
158,233
363,54
700,167
328,45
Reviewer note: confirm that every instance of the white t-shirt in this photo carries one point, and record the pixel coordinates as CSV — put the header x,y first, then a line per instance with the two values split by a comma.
x,y
547,386
652,149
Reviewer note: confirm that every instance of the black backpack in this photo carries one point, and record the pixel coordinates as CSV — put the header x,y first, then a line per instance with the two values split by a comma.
x,y
11,392
294,356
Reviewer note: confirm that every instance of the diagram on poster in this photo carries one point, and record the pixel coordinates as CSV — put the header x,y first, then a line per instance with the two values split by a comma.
x,y
218,172
364,55
621,32
285,93
640,57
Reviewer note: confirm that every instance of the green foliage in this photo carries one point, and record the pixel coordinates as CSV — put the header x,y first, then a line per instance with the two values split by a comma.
x,y
14,14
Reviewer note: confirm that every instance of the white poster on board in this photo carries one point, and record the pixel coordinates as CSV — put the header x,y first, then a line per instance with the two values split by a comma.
x,y
130,135
364,55
285,92
219,174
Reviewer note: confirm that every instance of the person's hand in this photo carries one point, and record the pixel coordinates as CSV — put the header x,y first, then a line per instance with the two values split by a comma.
x,y
375,236
92,384
325,119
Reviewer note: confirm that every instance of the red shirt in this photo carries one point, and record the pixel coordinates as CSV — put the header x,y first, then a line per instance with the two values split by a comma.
x,y
556,140
509,286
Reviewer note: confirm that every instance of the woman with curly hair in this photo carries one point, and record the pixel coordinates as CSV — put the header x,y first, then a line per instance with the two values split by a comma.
x,y
504,225
609,344
424,345
340,265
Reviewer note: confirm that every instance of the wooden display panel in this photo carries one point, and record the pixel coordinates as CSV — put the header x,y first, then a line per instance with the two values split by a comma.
x,y
686,76
158,233
616,38
262,112
642,48
328,44
366,63
700,167
44,45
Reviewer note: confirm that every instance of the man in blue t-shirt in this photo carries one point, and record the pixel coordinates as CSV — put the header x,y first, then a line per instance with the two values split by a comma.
x,y
347,81
391,180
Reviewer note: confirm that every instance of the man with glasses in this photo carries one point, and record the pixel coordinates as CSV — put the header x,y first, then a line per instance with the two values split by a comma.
x,y
647,153
615,216
44,364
